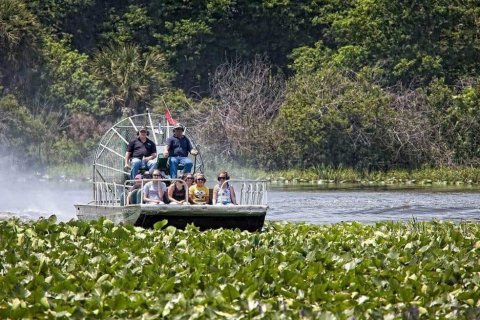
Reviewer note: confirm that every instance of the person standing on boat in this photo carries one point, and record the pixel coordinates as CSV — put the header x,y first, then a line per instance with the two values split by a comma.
x,y
154,190
177,191
223,192
177,148
199,193
141,150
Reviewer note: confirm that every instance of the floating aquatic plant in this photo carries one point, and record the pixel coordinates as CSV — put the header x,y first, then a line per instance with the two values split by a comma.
x,y
102,270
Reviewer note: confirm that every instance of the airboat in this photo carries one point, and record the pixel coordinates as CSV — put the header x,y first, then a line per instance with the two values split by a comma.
x,y
111,185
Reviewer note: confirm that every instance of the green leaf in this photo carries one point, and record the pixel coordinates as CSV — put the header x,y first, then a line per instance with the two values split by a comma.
x,y
160,224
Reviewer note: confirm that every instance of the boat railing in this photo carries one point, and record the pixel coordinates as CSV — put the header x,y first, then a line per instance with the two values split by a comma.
x,y
249,192
252,192
129,183
108,193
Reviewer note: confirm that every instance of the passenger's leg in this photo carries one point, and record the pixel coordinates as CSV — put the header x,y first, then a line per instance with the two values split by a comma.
x,y
136,163
152,165
173,167
187,164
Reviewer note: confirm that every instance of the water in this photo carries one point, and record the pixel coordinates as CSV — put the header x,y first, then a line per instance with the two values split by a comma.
x,y
30,198
312,204
370,205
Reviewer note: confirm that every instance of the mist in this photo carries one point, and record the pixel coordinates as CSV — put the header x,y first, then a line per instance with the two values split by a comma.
x,y
29,194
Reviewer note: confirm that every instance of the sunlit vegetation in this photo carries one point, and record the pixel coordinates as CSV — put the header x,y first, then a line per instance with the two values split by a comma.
x,y
100,270
329,175
275,85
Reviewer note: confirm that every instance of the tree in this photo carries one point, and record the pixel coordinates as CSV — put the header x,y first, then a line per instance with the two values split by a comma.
x,y
236,122
412,41
67,83
133,79
20,35
332,118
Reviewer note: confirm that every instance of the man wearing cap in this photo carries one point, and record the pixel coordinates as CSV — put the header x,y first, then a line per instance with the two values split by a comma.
x,y
177,148
141,150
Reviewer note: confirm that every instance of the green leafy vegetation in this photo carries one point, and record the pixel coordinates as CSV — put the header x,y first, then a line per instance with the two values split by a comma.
x,y
367,85
100,270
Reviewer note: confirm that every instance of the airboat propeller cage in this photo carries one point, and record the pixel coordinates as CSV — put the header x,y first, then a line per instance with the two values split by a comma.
x,y
109,161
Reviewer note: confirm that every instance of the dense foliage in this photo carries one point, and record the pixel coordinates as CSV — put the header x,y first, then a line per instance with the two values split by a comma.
x,y
364,84
103,271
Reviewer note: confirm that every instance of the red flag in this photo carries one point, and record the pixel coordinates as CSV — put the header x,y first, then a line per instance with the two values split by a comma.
x,y
169,118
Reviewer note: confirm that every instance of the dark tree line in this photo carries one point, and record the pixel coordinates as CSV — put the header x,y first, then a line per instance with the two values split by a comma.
x,y
266,83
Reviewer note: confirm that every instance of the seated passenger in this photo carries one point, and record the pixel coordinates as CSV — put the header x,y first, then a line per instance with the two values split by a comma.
x,y
153,191
198,193
223,192
189,179
177,149
137,185
163,175
177,192
141,152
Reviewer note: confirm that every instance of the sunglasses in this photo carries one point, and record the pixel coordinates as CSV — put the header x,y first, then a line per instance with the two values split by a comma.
x,y
201,179
221,178
189,178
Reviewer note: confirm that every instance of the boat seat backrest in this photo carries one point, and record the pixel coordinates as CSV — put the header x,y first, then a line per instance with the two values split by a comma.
x,y
162,163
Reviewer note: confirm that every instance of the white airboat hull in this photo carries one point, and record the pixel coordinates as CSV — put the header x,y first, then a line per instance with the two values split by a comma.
x,y
244,217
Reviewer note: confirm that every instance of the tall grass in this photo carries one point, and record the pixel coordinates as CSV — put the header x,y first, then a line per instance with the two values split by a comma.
x,y
71,171
323,174
441,175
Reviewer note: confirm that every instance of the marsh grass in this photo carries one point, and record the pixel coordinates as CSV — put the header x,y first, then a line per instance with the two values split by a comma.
x,y
442,175
74,171
319,174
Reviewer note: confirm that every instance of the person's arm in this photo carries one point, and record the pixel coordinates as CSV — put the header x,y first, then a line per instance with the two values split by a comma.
x,y
170,193
151,157
233,198
190,195
166,149
215,195
129,153
192,150
152,150
127,158
145,193
207,195
160,194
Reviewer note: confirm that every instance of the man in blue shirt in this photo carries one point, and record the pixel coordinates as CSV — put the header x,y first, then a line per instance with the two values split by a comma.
x,y
177,148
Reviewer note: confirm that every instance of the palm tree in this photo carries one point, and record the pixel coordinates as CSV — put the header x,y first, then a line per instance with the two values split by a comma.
x,y
133,78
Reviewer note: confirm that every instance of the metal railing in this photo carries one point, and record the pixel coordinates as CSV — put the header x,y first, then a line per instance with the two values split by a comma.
x,y
248,192
108,193
252,192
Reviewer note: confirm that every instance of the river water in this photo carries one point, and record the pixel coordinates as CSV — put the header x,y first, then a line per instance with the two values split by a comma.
x,y
322,205
299,203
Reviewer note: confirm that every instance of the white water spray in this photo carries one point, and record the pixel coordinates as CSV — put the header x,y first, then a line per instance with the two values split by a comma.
x,y
31,195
